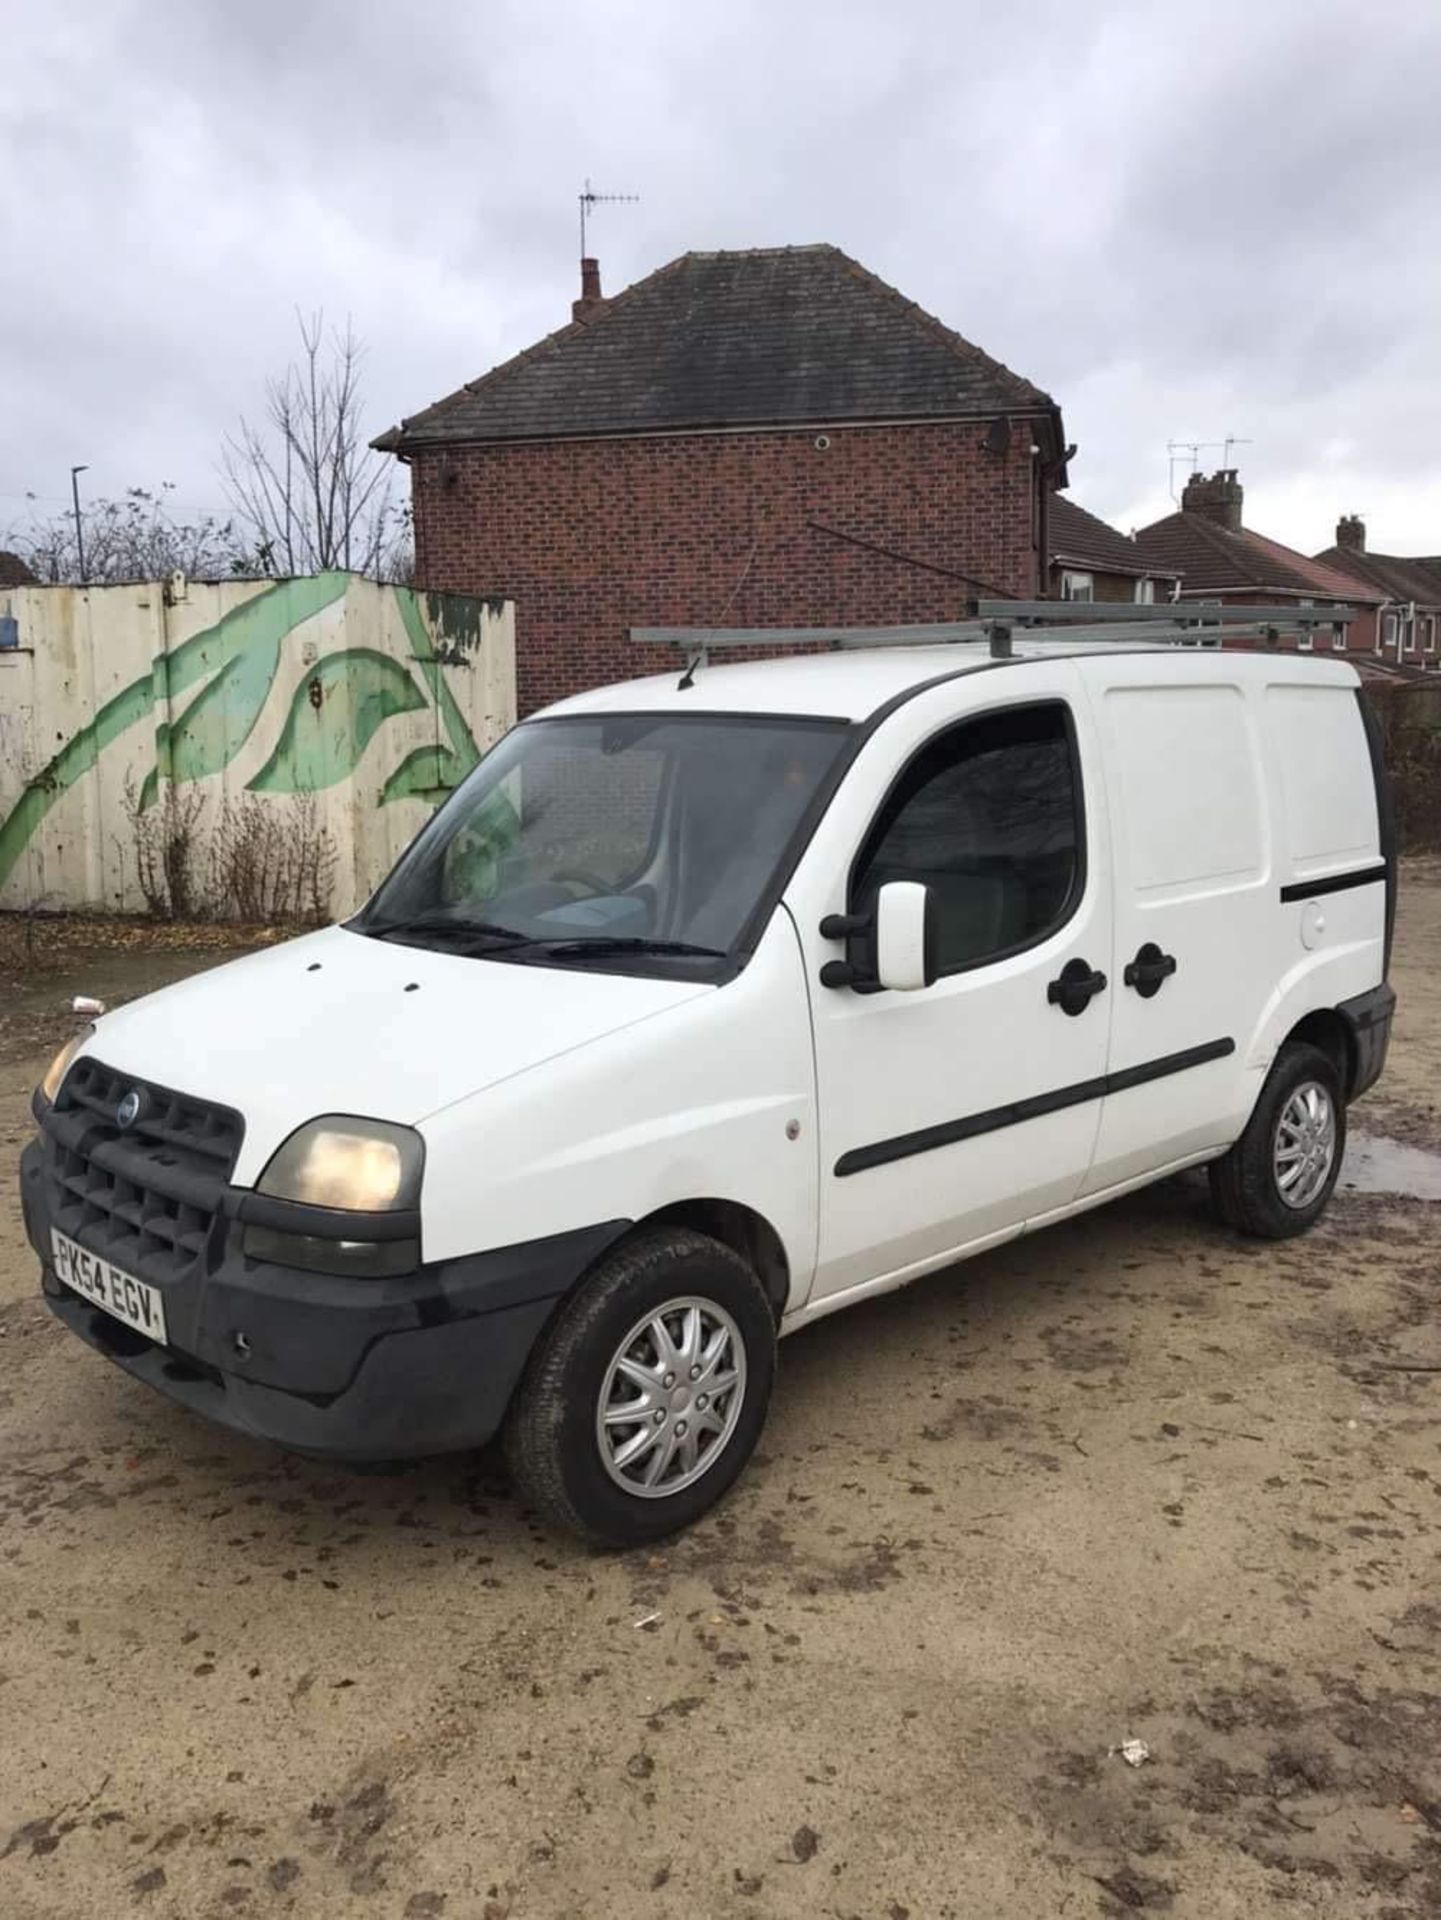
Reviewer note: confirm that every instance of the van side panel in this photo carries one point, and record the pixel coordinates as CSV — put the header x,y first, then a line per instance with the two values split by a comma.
x,y
1332,873
1248,851
1328,792
1192,800
1195,860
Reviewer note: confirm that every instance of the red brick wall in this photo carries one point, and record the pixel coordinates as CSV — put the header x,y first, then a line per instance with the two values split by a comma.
x,y
1361,634
592,537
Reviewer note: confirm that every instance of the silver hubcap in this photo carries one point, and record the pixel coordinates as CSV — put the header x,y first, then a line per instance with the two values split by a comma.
x,y
671,1397
1305,1144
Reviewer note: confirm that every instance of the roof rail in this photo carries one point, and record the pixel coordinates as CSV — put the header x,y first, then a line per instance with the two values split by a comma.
x,y
995,623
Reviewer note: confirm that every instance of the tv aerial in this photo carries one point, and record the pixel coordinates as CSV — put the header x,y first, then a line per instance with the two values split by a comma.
x,y
1193,449
590,200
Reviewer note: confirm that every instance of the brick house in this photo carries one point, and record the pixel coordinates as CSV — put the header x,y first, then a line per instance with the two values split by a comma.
x,y
764,438
1409,632
1093,561
1224,560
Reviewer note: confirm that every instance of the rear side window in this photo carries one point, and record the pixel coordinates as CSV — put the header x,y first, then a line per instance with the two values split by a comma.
x,y
1320,747
1188,800
988,816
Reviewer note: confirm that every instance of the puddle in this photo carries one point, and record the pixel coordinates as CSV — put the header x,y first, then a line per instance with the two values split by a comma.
x,y
1375,1165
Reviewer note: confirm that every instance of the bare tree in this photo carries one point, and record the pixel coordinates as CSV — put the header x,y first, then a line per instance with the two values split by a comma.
x,y
134,537
304,482
397,562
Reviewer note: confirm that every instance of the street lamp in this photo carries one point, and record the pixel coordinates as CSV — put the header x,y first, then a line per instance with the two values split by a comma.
x,y
79,529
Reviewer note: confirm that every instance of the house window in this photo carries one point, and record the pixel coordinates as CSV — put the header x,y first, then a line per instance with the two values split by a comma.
x,y
1306,638
1388,630
1428,633
1077,586
1145,593
1408,632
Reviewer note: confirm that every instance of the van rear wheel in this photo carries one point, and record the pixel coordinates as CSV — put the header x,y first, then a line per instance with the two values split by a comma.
x,y
1278,1177
646,1395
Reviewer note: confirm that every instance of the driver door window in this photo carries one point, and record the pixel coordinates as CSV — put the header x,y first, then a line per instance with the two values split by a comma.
x,y
988,817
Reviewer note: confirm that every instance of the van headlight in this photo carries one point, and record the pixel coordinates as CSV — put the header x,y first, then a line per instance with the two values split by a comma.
x,y
340,1196
354,1166
60,1065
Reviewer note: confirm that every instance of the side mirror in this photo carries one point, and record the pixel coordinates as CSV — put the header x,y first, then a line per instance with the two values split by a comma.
x,y
894,945
905,936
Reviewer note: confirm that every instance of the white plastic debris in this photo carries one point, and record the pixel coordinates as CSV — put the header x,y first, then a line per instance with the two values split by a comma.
x,y
1135,1753
82,1003
649,1620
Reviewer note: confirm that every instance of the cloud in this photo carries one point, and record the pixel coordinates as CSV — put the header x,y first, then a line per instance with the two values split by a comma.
x,y
1185,223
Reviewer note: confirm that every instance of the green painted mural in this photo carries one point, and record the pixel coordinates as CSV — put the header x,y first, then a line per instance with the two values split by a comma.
x,y
324,668
466,751
317,747
429,773
245,647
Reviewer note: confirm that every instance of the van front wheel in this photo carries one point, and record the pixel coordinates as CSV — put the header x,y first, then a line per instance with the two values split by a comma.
x,y
645,1397
1278,1177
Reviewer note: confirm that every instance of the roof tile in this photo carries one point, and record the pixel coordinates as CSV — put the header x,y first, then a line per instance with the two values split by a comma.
x,y
1218,561
774,336
1397,578
1080,536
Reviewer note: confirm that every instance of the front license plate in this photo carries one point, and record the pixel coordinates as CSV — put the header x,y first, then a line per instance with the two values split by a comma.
x,y
121,1294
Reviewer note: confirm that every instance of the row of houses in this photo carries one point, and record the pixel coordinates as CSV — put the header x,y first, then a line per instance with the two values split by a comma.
x,y
1205,551
778,438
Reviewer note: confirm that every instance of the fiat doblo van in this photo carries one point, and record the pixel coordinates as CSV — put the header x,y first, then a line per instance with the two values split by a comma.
x,y
705,1008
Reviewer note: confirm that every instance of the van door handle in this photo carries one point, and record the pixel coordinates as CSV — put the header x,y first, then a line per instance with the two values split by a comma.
x,y
1149,969
1075,987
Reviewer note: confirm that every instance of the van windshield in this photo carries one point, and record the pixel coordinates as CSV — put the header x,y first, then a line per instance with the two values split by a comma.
x,y
635,842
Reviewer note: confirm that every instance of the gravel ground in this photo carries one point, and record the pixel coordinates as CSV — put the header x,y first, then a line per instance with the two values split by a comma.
x,y
1132,1478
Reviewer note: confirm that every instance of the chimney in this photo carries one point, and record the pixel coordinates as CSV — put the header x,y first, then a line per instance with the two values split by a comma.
x,y
1351,533
591,298
1218,498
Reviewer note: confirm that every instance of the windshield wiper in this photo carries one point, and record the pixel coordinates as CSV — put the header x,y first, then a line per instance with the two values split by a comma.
x,y
583,944
444,926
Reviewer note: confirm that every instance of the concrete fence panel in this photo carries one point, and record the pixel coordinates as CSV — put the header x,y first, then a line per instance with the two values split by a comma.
x,y
262,749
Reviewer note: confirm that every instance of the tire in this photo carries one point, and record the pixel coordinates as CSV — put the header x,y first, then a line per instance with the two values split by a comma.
x,y
556,1441
1246,1185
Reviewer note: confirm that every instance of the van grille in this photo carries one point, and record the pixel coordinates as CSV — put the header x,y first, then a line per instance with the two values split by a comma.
x,y
146,1195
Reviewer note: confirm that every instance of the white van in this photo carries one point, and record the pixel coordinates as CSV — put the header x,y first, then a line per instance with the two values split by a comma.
x,y
705,1008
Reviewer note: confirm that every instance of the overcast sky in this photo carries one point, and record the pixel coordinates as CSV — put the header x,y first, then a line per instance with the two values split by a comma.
x,y
1184,222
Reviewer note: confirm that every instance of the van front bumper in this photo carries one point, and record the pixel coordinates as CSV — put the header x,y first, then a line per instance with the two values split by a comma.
x,y
364,1370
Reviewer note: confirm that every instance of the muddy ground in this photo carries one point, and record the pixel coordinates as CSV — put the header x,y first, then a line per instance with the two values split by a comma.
x,y
1131,1479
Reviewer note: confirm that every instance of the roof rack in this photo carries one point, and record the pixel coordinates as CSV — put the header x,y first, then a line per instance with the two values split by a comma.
x,y
995,623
